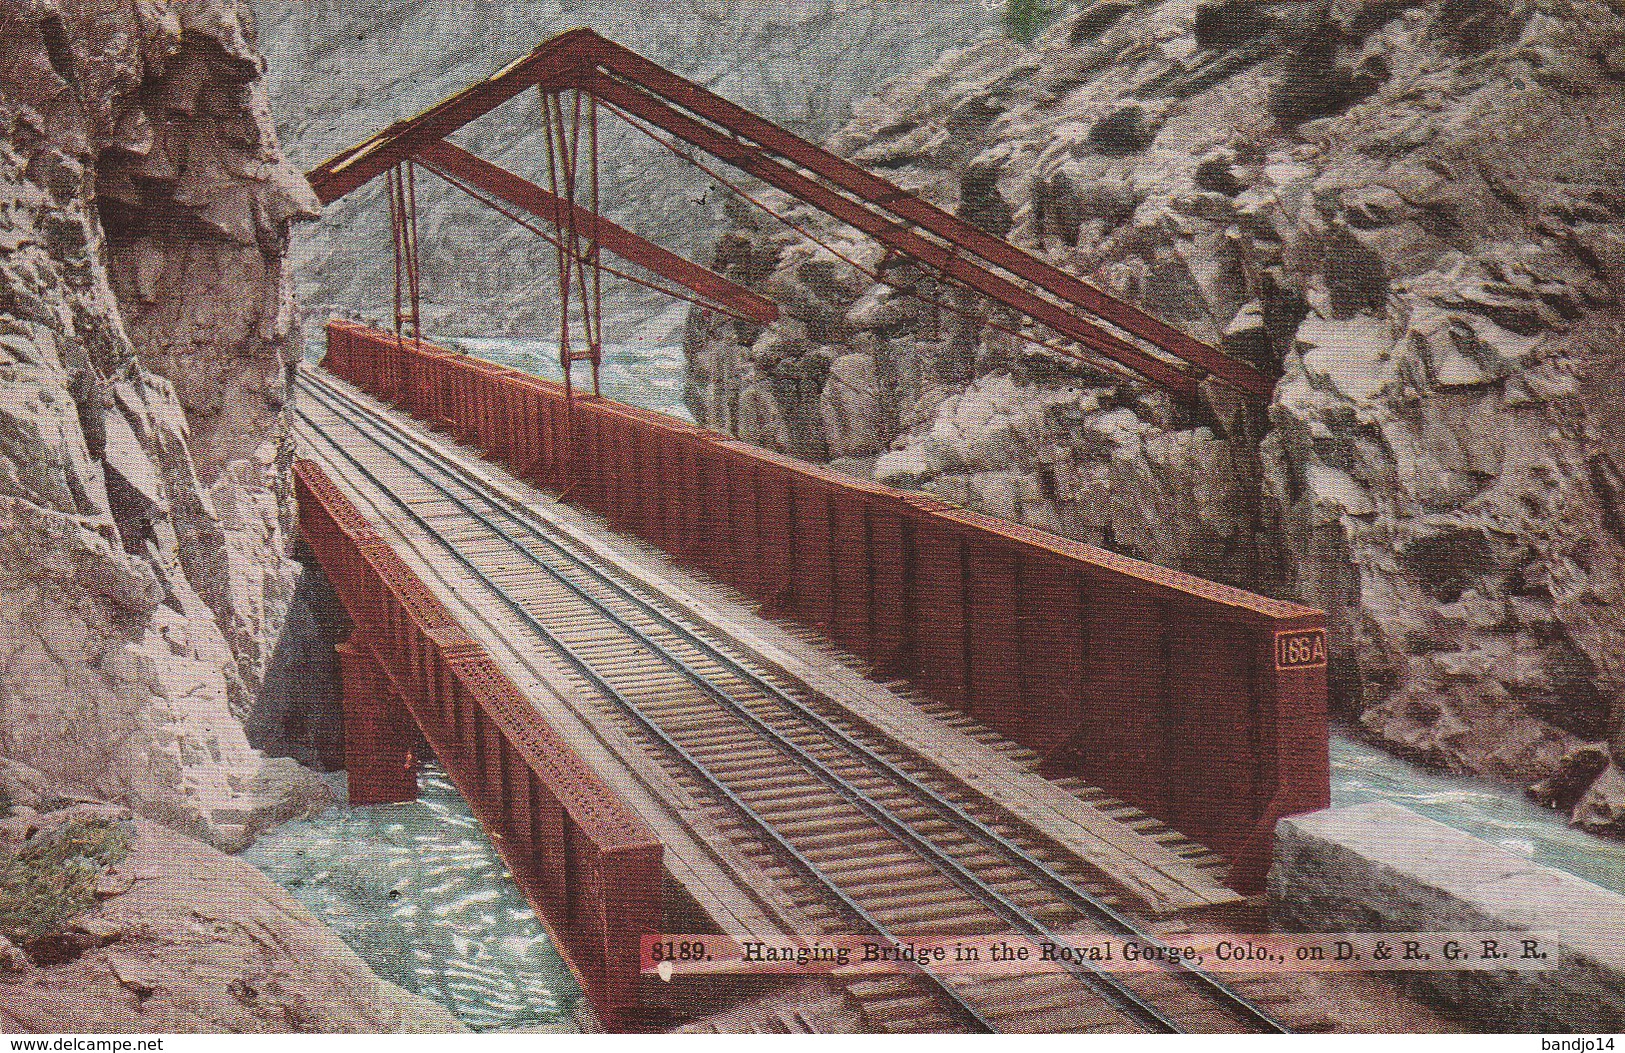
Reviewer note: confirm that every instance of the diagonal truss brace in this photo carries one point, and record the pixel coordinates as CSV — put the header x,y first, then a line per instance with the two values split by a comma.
x,y
523,194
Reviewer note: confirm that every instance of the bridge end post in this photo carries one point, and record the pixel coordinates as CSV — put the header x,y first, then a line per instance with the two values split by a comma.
x,y
1296,736
377,747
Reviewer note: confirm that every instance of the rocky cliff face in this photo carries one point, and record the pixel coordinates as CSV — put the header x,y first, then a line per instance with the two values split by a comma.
x,y
145,316
342,70
1412,210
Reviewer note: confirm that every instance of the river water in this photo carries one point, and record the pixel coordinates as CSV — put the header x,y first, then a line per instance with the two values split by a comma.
x,y
1497,813
421,895
425,900
649,375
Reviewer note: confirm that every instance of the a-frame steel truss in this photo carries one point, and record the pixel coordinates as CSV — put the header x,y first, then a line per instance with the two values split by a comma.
x,y
581,61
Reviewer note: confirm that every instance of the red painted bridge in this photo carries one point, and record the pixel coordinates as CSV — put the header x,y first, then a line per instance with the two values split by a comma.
x,y
684,681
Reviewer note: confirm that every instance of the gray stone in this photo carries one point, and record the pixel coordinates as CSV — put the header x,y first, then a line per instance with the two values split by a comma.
x,y
850,407
12,959
1351,357
907,468
1613,61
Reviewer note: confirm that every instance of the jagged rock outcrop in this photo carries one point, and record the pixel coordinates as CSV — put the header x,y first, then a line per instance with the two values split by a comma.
x,y
145,318
1412,210
172,936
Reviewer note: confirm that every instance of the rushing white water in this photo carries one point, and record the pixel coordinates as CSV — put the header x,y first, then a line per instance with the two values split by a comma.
x,y
419,893
340,70
639,374
1493,811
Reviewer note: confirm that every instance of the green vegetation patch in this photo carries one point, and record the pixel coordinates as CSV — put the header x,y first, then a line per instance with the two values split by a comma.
x,y
51,879
1025,19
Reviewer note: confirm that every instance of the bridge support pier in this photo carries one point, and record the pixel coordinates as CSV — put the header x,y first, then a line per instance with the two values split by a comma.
x,y
377,730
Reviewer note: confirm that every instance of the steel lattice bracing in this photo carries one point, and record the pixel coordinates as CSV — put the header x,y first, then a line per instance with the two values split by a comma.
x,y
586,62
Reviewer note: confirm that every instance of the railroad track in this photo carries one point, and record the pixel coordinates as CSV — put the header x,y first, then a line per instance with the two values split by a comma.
x,y
858,830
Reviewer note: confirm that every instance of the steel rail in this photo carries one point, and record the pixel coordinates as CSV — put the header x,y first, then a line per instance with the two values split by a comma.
x,y
1121,996
979,831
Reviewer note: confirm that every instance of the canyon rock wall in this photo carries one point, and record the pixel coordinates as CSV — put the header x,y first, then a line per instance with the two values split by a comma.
x,y
145,319
1411,210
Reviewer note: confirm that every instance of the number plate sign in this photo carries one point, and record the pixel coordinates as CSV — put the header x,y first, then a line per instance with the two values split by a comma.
x,y
1300,649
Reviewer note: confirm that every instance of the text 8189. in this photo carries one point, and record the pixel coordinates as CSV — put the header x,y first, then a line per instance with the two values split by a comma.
x,y
678,951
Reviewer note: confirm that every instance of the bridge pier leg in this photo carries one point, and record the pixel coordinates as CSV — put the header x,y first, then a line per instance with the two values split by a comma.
x,y
377,740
